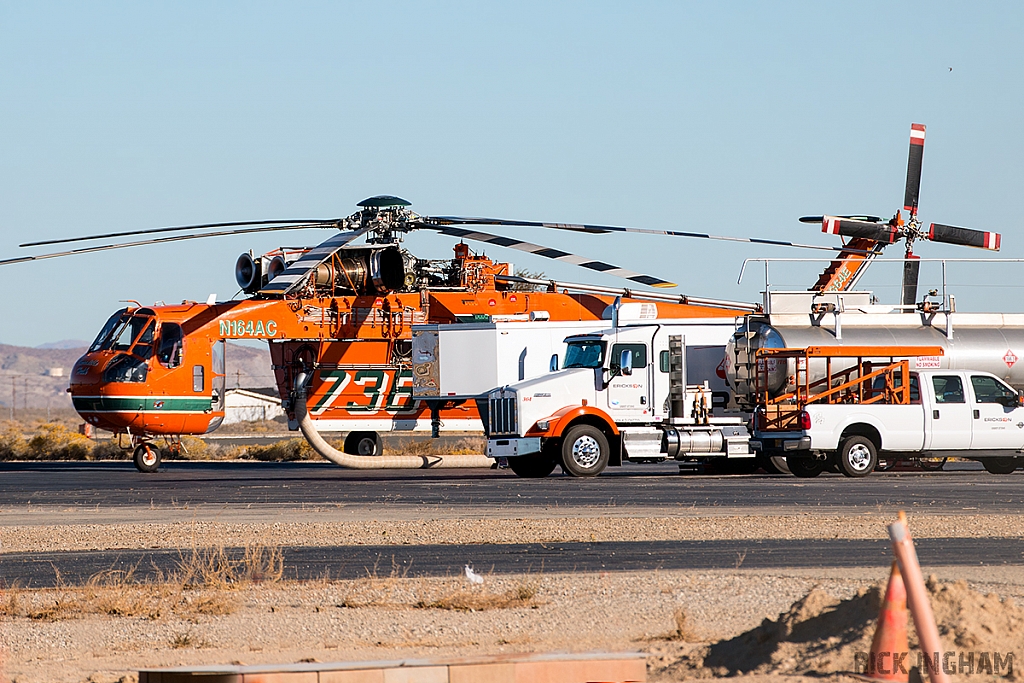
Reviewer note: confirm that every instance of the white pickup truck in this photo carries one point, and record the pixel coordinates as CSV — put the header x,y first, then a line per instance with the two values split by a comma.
x,y
974,414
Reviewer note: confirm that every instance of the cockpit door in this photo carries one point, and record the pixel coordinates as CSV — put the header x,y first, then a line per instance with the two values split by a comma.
x,y
218,379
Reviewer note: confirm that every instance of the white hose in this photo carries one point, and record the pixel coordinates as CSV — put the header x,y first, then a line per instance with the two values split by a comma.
x,y
374,462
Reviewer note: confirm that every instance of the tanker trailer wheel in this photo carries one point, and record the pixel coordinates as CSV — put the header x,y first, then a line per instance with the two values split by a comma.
x,y
857,457
804,467
535,466
1001,465
146,457
932,464
584,451
363,443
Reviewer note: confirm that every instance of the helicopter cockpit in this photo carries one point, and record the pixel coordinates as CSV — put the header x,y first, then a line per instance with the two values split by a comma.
x,y
130,336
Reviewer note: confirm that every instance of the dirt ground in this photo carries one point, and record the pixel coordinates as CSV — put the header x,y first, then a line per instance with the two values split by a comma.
x,y
692,624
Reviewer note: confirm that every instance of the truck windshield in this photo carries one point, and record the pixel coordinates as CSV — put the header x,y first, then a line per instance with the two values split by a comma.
x,y
584,354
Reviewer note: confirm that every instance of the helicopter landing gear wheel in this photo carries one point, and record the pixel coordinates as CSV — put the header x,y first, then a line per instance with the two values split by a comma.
x,y
363,443
146,458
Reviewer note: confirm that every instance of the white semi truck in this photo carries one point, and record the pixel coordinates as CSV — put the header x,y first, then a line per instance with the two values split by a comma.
x,y
640,391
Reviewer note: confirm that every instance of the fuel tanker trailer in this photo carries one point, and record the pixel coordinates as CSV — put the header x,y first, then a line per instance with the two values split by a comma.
x,y
986,342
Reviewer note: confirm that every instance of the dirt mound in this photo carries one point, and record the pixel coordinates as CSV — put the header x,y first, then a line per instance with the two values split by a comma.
x,y
820,634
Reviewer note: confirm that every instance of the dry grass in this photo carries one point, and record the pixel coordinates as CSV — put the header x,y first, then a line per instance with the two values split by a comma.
x,y
523,595
202,584
217,568
683,633
42,440
467,446
188,640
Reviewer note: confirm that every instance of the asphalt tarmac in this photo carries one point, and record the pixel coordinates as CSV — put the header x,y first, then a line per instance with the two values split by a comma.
x,y
117,487
349,562
201,485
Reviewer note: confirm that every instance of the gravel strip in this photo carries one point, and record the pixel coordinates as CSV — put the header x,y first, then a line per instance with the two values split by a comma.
x,y
185,534
293,622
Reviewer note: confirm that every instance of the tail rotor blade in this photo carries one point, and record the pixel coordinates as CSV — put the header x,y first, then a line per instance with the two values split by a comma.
x,y
911,272
879,232
967,237
913,190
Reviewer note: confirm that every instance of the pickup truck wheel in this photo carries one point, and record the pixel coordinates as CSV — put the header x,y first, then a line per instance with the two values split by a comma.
x,y
804,467
535,466
585,451
1001,465
857,457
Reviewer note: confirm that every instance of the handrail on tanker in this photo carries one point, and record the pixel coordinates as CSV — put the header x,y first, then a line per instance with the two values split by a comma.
x,y
847,385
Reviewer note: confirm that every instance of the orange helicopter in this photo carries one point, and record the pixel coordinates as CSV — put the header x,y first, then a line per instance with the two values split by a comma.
x,y
339,314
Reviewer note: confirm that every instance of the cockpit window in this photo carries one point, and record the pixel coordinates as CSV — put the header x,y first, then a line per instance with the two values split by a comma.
x,y
126,330
584,354
108,328
169,353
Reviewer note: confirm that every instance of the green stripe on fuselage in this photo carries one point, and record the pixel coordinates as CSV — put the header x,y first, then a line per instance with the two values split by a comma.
x,y
142,404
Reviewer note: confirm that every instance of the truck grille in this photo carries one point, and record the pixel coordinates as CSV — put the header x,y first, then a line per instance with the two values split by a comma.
x,y
502,416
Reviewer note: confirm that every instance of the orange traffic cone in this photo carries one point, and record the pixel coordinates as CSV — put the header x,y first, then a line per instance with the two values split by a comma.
x,y
890,652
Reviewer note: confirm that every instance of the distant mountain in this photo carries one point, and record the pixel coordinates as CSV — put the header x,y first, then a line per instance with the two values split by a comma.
x,y
65,344
246,367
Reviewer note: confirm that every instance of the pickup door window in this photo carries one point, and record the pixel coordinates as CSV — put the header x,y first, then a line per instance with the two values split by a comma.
x,y
996,416
949,419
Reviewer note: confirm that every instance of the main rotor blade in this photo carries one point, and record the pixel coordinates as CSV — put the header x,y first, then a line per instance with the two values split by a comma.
x,y
306,222
879,232
548,252
913,191
605,229
158,240
911,272
294,276
967,237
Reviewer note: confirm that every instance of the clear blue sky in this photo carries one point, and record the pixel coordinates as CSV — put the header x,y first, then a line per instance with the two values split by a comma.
x,y
732,118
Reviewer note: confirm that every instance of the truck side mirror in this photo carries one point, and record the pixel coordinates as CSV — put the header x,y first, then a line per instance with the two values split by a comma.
x,y
553,365
626,362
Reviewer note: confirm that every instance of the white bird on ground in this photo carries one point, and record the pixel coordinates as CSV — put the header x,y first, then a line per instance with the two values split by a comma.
x,y
473,576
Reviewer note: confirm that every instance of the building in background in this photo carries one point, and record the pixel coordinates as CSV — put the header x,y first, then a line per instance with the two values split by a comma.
x,y
250,405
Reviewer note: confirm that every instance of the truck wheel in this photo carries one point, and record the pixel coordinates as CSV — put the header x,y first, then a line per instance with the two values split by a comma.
x,y
146,458
804,467
1001,465
363,443
536,466
584,451
857,457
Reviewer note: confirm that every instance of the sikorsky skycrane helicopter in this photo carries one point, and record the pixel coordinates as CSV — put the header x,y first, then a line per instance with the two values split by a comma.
x,y
339,314
869,235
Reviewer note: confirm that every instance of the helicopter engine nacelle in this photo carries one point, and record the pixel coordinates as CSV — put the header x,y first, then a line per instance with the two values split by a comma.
x,y
364,271
249,271
278,265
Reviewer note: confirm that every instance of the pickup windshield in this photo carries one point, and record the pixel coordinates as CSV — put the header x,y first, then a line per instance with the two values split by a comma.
x,y
584,354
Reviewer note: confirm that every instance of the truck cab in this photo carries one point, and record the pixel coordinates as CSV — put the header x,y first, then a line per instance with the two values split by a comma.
x,y
642,392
